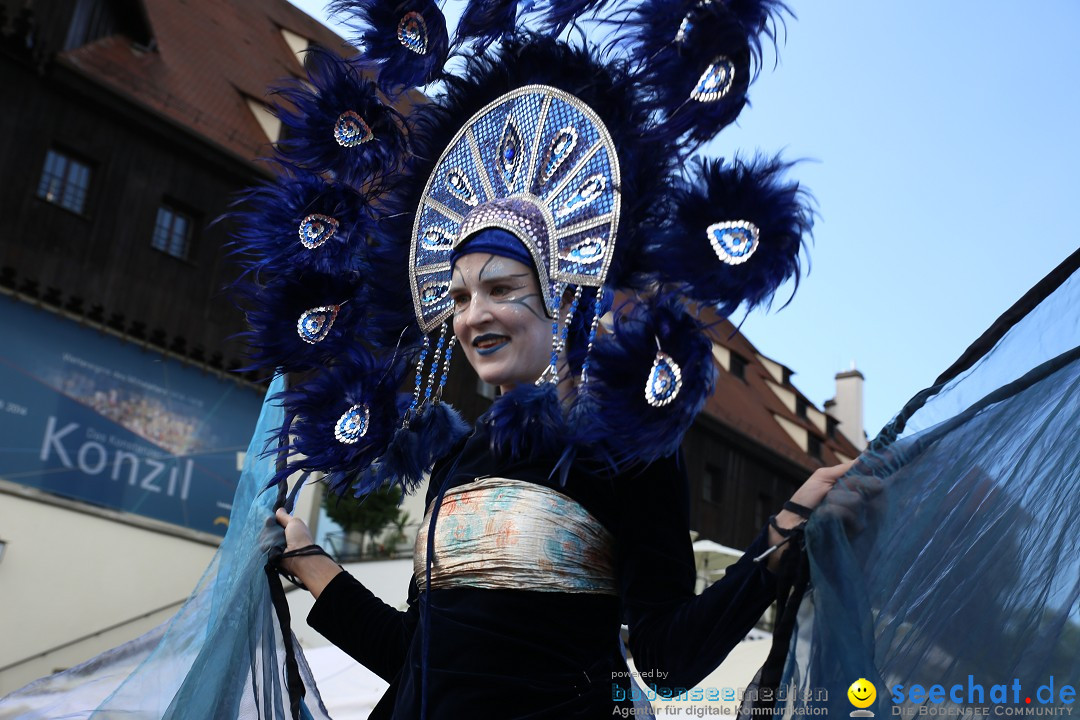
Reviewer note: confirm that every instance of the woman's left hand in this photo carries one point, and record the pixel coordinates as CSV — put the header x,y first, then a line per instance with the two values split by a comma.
x,y
809,495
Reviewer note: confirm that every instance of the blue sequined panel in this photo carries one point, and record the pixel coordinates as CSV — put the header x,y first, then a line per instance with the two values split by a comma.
x,y
491,133
584,254
431,293
560,116
436,234
457,184
587,193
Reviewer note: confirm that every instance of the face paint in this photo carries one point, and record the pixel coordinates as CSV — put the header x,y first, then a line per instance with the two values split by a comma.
x,y
499,319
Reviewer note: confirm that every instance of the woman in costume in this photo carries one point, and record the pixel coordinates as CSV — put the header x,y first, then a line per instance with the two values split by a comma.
x,y
506,214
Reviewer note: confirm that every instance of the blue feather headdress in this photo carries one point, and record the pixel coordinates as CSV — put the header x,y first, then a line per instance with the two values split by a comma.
x,y
337,123
406,41
576,150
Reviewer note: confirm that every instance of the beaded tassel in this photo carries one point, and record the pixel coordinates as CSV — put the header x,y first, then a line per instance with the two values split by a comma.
x,y
416,386
445,367
435,364
592,337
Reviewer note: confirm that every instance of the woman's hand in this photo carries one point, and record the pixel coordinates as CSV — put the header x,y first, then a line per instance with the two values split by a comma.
x,y
809,495
315,571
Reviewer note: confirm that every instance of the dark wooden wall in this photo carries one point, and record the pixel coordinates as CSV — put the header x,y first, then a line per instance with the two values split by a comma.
x,y
101,260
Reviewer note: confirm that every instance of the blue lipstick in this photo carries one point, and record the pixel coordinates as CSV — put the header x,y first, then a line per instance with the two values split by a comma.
x,y
503,342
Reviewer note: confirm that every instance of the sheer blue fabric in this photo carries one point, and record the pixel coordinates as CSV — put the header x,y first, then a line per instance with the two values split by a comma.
x,y
947,570
221,656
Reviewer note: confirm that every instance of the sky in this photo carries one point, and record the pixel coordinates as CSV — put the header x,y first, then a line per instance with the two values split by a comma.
x,y
938,137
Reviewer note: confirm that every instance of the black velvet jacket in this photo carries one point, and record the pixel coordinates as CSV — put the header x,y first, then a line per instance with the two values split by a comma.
x,y
528,654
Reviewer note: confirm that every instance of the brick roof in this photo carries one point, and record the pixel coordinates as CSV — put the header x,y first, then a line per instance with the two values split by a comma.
x,y
751,407
208,55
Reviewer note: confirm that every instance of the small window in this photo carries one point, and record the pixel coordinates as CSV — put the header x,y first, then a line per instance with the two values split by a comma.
x,y
738,366
64,181
800,407
830,426
813,447
172,232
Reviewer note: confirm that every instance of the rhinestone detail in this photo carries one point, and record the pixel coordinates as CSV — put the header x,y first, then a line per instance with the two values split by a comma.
x,y
585,252
353,425
314,324
589,191
461,188
436,239
350,130
715,82
733,241
665,380
560,148
316,229
412,32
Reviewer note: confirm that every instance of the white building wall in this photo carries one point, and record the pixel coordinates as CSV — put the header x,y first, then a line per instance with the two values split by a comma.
x,y
77,580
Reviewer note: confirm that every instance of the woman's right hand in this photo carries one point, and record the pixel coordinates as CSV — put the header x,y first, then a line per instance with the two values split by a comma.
x,y
315,571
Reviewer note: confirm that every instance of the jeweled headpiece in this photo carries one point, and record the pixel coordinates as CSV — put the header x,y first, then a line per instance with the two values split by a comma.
x,y
583,154
537,163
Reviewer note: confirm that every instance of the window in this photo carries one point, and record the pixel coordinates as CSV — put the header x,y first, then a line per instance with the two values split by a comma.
x,y
64,181
172,232
801,407
813,447
738,366
712,486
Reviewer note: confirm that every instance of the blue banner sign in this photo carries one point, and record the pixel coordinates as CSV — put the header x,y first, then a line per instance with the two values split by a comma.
x,y
90,417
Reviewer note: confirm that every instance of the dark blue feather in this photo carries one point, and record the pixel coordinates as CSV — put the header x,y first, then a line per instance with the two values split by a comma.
x,y
612,417
674,44
273,310
682,255
414,450
557,15
266,230
314,407
311,114
406,39
486,21
527,423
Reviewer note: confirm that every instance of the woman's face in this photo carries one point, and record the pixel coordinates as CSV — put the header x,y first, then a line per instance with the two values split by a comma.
x,y
499,319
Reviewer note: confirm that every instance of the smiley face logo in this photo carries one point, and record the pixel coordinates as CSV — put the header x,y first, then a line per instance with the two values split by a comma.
x,y
862,693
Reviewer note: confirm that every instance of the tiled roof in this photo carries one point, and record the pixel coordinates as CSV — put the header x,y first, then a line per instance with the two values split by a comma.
x,y
751,407
208,55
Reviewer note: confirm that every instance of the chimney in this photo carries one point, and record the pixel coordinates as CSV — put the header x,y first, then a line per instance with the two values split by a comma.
x,y
847,406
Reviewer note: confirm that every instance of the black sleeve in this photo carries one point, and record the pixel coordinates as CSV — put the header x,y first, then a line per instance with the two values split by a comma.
x,y
373,633
679,636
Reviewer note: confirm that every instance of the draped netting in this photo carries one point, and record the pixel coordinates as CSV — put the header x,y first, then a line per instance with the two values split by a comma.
x,y
221,656
955,561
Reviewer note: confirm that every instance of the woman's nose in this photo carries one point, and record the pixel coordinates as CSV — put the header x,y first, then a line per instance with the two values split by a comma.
x,y
478,312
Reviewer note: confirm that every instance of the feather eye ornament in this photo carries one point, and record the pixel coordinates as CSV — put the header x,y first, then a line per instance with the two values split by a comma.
x,y
302,322
734,234
341,420
648,379
695,59
300,223
339,125
407,40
